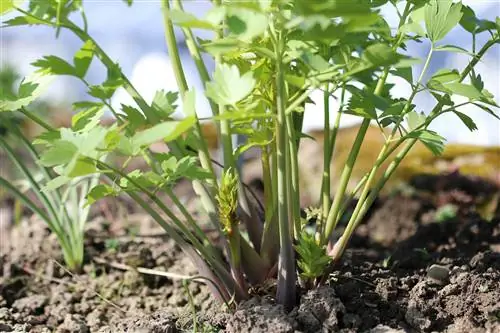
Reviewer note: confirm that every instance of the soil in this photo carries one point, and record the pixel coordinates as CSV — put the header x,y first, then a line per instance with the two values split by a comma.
x,y
408,269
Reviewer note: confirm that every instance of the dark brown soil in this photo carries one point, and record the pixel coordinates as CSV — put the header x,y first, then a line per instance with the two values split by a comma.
x,y
404,272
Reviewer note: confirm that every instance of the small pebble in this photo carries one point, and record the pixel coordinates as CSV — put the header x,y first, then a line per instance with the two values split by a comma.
x,y
438,273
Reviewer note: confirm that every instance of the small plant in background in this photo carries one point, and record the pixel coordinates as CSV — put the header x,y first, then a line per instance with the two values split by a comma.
x,y
65,210
269,57
112,244
446,212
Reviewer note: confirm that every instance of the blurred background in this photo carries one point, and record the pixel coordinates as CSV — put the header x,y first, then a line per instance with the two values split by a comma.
x,y
133,36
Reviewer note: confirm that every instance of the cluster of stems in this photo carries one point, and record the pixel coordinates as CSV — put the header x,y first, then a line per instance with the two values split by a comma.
x,y
252,259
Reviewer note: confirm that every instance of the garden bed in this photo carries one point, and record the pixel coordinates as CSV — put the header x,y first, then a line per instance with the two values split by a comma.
x,y
403,271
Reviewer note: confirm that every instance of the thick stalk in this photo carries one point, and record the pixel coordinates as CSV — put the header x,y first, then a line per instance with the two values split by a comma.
x,y
293,179
328,150
270,247
286,293
225,130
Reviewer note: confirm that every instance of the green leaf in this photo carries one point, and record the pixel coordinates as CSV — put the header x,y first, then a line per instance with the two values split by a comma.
x,y
472,24
380,55
228,87
47,138
221,46
364,23
453,48
55,183
361,106
24,20
441,77
396,109
85,120
170,164
446,75
440,17
463,89
166,131
98,192
315,61
61,152
364,103
405,73
101,92
135,118
186,20
83,58
312,257
433,141
415,119
126,146
8,5
295,80
412,27
469,19
80,166
418,12
87,142
471,125
164,103
114,80
333,8
30,89
477,82
129,2
215,15
55,65
246,24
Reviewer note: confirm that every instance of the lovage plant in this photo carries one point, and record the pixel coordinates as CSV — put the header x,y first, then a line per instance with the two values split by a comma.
x,y
269,56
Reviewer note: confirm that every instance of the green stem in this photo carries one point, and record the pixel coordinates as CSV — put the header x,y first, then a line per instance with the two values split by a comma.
x,y
366,200
286,266
189,218
67,249
336,126
183,87
294,194
33,183
36,119
269,248
219,268
333,215
325,187
194,50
